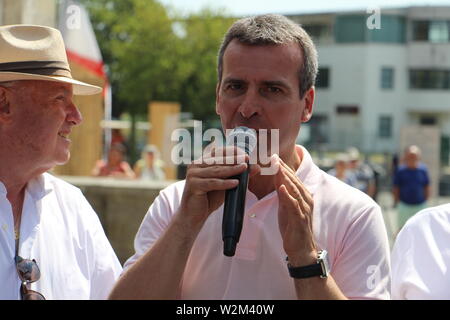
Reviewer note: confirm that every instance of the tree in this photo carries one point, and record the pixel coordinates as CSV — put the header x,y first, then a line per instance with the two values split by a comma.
x,y
204,33
153,54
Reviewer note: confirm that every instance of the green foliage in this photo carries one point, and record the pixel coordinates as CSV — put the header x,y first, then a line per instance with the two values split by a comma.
x,y
204,33
157,55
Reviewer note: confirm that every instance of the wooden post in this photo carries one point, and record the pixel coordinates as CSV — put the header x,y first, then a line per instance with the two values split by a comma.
x,y
164,118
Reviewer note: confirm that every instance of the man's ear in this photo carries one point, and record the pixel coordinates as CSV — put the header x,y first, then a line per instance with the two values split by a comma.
x,y
309,102
217,98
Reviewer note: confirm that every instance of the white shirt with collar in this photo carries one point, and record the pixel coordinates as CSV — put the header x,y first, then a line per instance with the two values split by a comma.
x,y
421,256
61,231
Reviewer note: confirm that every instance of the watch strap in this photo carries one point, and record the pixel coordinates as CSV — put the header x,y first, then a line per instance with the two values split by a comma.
x,y
313,270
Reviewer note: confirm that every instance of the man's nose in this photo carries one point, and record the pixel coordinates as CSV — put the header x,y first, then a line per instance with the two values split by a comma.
x,y
250,105
74,115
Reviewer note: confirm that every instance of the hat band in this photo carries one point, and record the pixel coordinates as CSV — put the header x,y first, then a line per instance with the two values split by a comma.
x,y
44,68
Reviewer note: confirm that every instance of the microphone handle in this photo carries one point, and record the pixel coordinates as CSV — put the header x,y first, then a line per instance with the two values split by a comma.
x,y
233,213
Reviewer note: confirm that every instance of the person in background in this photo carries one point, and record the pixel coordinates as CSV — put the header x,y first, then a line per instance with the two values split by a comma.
x,y
341,170
365,178
52,244
411,186
421,256
150,166
115,166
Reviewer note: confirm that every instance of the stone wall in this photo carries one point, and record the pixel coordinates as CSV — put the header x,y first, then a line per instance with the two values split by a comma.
x,y
121,205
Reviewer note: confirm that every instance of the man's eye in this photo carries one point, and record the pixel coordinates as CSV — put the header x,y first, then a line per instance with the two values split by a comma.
x,y
234,86
273,89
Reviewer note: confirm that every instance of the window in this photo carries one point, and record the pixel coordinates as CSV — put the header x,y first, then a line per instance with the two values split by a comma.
x,y
439,31
350,28
343,109
428,121
322,80
385,126
319,129
317,32
393,30
353,28
420,30
387,78
429,79
433,31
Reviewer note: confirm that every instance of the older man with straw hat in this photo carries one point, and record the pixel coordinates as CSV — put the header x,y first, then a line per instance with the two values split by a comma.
x,y
52,243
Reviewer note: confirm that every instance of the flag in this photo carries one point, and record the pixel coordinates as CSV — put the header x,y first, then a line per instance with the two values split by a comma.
x,y
82,49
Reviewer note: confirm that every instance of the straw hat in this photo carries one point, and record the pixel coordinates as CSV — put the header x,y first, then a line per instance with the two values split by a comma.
x,y
29,52
353,153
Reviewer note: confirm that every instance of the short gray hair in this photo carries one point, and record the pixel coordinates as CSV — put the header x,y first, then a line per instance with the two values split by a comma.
x,y
274,29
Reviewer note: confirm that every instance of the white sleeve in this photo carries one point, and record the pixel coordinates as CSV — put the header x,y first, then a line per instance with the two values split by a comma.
x,y
153,225
420,258
362,270
105,267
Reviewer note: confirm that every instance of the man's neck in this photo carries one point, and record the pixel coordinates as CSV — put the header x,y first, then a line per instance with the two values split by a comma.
x,y
15,176
262,185
15,193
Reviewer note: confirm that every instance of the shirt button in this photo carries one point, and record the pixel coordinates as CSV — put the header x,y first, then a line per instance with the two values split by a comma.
x,y
252,215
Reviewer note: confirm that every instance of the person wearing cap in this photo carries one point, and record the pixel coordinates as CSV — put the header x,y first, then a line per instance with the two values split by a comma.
x,y
150,166
305,234
365,177
52,243
341,170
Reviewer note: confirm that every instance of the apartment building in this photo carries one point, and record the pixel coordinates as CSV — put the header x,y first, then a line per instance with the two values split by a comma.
x,y
373,82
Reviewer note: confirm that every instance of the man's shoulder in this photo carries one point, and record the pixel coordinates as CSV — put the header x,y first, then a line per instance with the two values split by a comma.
x,y
339,195
422,167
437,216
174,191
428,227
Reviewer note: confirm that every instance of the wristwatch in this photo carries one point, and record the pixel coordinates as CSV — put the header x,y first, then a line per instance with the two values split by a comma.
x,y
321,268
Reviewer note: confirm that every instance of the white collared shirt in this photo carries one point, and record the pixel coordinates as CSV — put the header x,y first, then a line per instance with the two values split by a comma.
x,y
421,256
61,231
346,222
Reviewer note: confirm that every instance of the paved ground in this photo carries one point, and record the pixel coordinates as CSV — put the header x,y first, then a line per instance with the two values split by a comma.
x,y
386,202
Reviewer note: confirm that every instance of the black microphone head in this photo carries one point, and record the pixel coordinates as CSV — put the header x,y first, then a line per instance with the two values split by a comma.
x,y
243,138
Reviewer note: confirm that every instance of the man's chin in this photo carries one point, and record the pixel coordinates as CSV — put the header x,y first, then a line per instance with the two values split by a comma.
x,y
62,159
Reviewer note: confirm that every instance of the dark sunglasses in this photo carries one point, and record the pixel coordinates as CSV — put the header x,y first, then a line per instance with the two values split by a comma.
x,y
28,272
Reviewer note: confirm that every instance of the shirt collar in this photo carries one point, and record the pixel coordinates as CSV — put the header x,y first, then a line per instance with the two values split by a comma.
x,y
307,172
39,187
2,189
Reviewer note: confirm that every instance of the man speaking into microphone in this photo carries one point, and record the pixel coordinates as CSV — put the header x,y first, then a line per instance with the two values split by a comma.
x,y
305,234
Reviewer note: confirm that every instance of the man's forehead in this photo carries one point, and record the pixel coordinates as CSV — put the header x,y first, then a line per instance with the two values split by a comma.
x,y
291,49
45,85
283,58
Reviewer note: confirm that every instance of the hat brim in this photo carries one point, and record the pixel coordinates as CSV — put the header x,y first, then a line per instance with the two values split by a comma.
x,y
79,88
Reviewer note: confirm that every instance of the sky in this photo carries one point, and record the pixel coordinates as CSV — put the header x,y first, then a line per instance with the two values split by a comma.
x,y
249,7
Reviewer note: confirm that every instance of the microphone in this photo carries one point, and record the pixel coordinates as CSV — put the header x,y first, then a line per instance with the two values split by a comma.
x,y
234,206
